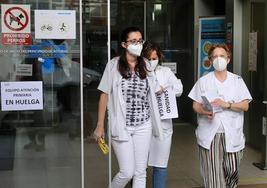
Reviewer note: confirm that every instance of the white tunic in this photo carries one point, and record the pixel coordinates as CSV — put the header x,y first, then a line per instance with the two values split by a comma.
x,y
160,149
111,84
233,89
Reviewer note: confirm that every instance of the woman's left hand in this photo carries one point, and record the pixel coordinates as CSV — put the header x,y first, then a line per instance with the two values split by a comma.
x,y
220,103
160,91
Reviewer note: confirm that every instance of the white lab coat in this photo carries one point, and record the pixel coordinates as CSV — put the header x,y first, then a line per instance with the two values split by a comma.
x,y
233,89
111,84
160,149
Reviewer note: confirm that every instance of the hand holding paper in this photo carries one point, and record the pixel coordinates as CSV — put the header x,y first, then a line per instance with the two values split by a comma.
x,y
211,102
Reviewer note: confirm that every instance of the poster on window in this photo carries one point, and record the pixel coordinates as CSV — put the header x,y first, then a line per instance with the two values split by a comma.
x,y
167,104
16,24
18,96
55,24
211,31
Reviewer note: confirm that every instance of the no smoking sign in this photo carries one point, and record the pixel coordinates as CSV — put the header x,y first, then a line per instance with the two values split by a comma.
x,y
16,24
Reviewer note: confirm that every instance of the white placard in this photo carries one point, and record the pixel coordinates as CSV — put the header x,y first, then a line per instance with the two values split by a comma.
x,y
55,24
23,69
171,65
17,96
167,104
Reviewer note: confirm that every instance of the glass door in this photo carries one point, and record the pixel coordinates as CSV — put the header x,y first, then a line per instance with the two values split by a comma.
x,y
95,36
95,57
40,127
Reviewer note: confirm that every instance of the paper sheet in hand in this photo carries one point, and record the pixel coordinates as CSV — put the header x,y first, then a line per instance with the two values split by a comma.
x,y
167,104
207,105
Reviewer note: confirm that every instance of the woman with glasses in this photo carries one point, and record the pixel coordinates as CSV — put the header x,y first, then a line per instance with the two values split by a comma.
x,y
220,99
160,149
128,90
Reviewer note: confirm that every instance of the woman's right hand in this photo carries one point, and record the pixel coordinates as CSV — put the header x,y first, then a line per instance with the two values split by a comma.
x,y
99,132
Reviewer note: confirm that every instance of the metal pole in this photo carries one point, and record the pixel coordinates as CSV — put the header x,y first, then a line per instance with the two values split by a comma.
x,y
109,134
81,91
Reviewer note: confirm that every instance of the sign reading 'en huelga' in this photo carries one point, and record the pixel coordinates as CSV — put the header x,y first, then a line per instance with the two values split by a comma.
x,y
18,96
167,104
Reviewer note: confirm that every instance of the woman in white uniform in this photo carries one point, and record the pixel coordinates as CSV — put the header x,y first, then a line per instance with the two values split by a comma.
x,y
160,149
128,91
220,129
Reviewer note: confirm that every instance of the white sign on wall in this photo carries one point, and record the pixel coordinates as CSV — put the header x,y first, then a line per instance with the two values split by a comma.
x,y
171,65
23,70
55,24
167,104
17,96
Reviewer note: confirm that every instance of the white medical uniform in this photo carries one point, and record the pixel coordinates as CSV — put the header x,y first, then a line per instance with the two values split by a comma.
x,y
160,149
130,143
233,90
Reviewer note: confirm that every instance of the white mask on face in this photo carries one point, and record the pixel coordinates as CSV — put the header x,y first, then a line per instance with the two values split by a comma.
x,y
151,65
135,49
220,64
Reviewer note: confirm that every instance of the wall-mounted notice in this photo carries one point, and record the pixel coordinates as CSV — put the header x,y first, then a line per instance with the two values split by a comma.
x,y
18,96
252,51
55,24
211,32
171,65
23,69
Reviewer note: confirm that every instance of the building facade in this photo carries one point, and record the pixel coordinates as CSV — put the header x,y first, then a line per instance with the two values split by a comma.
x,y
47,135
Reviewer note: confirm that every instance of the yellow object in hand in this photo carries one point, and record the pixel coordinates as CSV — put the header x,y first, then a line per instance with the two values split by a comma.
x,y
103,146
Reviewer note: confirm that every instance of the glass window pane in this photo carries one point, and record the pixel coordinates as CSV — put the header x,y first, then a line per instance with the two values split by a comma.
x,y
42,148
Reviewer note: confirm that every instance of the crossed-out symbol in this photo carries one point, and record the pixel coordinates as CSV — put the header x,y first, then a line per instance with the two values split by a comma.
x,y
16,19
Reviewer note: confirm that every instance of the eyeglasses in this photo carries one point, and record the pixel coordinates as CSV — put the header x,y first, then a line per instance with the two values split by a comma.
x,y
135,42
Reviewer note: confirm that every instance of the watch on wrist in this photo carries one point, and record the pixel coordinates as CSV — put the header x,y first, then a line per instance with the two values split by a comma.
x,y
230,105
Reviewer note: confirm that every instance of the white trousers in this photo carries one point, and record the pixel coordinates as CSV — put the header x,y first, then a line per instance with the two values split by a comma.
x,y
132,156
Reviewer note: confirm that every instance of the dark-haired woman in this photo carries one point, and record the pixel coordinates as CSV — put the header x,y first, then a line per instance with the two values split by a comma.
x,y
160,149
132,107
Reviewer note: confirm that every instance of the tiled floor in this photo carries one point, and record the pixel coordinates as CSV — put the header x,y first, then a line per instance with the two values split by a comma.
x,y
183,164
58,166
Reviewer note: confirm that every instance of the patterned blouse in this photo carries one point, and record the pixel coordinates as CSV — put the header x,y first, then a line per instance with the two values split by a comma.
x,y
135,94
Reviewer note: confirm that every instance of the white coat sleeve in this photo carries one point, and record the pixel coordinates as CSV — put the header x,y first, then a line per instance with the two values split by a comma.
x,y
175,83
195,93
244,92
105,83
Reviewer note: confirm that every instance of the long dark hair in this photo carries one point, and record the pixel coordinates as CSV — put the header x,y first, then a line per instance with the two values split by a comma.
x,y
123,67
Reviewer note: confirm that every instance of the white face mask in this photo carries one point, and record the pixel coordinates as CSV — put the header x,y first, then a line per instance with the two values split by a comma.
x,y
219,64
135,49
151,65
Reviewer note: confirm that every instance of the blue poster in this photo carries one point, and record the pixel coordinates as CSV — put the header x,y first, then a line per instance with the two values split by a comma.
x,y
211,31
